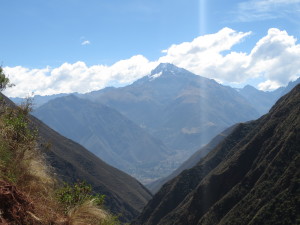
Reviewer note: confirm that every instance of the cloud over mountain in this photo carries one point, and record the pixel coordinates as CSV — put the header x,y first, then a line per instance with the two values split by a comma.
x,y
204,55
273,61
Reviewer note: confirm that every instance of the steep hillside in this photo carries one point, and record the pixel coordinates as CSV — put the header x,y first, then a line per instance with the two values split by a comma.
x,y
182,109
107,133
251,177
72,162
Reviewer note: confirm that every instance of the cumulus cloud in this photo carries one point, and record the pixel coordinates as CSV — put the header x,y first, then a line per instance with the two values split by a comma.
x,y
204,56
77,77
86,42
275,57
274,61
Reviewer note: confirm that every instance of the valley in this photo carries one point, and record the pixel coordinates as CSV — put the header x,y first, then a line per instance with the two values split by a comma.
x,y
149,128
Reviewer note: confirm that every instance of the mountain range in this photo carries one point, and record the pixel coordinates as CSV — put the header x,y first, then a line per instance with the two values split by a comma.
x,y
250,177
182,109
151,126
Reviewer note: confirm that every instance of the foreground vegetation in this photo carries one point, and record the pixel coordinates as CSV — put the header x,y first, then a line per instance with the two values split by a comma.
x,y
29,191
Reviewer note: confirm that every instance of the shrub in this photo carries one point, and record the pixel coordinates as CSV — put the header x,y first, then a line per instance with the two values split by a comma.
x,y
76,194
82,207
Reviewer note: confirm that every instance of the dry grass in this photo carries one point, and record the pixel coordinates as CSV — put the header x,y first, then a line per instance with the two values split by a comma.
x,y
88,213
24,166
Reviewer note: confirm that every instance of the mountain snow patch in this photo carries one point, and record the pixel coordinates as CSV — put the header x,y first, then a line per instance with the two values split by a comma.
x,y
154,76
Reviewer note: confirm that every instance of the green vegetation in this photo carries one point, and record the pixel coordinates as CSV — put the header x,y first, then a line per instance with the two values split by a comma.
x,y
4,81
29,192
76,194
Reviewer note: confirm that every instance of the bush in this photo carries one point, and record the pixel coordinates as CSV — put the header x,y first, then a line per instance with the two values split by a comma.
x,y
82,206
76,194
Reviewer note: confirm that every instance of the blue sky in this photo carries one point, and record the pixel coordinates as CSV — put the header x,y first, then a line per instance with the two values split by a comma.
x,y
51,46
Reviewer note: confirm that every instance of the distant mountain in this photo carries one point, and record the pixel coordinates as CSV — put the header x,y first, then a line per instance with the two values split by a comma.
x,y
38,100
72,162
263,101
289,87
251,177
106,133
192,161
182,109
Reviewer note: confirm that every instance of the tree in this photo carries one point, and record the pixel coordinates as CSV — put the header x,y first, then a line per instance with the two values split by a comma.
x,y
4,81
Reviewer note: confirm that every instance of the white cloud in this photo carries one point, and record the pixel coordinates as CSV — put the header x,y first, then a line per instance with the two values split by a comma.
x,y
255,10
274,61
86,42
204,54
268,85
276,57
77,77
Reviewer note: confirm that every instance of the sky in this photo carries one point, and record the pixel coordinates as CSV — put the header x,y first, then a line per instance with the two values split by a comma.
x,y
64,46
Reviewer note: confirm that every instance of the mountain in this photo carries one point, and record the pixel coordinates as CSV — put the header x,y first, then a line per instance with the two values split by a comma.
x,y
107,133
72,162
263,100
192,161
38,100
251,177
182,109
289,87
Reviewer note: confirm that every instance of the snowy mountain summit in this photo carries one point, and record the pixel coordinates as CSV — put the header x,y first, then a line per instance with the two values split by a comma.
x,y
166,69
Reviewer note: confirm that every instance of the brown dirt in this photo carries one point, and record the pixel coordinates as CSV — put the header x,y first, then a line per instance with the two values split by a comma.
x,y
15,207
